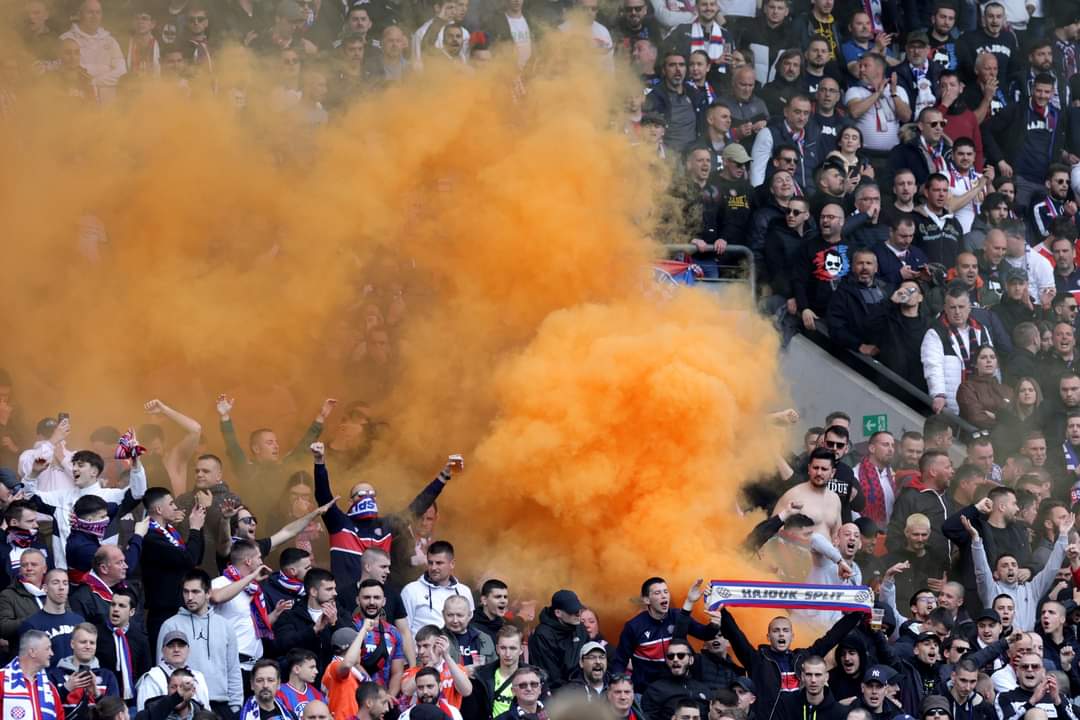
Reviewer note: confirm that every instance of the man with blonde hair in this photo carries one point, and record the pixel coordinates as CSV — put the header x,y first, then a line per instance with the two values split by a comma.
x,y
925,563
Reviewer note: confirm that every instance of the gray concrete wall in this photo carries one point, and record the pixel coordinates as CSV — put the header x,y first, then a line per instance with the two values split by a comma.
x,y
818,384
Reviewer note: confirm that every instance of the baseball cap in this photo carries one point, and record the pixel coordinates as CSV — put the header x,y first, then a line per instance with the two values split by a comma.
x,y
736,153
880,674
567,601
587,648
8,478
988,614
745,683
173,636
343,637
290,10
424,711
917,38
924,636
1015,275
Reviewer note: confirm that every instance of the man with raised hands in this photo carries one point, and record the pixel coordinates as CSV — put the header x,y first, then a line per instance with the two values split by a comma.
x,y
361,526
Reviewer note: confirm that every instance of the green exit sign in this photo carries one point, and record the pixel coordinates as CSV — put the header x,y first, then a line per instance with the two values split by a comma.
x,y
874,423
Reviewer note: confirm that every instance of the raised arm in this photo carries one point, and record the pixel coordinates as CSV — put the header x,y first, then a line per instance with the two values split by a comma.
x,y
685,624
836,633
226,593
352,656
288,532
315,429
426,497
984,578
744,651
335,519
1045,579
233,450
179,455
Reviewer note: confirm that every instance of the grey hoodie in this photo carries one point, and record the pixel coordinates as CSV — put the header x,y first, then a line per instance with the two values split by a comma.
x,y
212,650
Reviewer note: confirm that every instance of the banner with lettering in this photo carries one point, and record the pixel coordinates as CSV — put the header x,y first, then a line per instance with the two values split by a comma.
x,y
791,596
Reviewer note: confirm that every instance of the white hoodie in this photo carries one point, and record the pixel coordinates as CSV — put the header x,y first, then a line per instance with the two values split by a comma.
x,y
101,56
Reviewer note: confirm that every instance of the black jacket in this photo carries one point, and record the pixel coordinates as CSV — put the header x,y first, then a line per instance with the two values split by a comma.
x,y
764,665
1013,704
919,499
477,705
555,646
140,652
715,671
793,706
296,629
857,314
164,566
783,247
908,155
659,699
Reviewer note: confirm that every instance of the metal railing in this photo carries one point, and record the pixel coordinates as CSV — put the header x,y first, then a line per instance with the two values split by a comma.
x,y
745,263
887,380
870,368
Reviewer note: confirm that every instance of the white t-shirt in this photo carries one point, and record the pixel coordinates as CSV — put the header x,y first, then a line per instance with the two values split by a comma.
x,y
960,185
238,612
879,125
519,30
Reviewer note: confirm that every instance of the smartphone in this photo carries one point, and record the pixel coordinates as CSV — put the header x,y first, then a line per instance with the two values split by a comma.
x,y
62,417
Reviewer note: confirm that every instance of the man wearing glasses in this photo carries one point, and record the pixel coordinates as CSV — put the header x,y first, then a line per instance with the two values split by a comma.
x,y
525,686
925,152
1036,689
361,526
664,695
1055,205
635,23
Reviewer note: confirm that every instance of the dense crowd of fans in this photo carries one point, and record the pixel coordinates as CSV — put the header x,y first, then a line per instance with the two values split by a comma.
x,y
904,173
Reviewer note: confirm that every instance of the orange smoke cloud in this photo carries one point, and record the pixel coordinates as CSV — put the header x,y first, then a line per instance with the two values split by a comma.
x,y
606,429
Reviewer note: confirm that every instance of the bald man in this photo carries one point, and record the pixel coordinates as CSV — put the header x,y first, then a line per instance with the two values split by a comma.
x,y
362,527
316,710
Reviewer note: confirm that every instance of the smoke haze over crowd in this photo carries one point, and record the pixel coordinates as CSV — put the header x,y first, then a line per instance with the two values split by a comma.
x,y
606,429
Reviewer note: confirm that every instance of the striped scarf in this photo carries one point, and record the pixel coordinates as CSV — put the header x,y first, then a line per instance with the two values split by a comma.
x,y
288,585
870,485
251,710
713,45
98,586
124,665
168,532
259,616
19,702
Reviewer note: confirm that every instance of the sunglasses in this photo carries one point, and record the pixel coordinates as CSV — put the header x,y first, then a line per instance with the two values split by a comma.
x,y
834,445
531,685
935,712
792,212
677,656
936,123
250,520
960,648
1030,666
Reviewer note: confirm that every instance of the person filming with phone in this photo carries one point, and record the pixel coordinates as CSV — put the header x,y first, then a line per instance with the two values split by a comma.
x,y
79,677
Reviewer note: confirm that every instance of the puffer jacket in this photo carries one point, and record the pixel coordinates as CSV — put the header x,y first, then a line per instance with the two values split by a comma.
x,y
942,358
980,395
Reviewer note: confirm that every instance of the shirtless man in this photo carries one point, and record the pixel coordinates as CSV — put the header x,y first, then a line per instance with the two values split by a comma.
x,y
818,502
